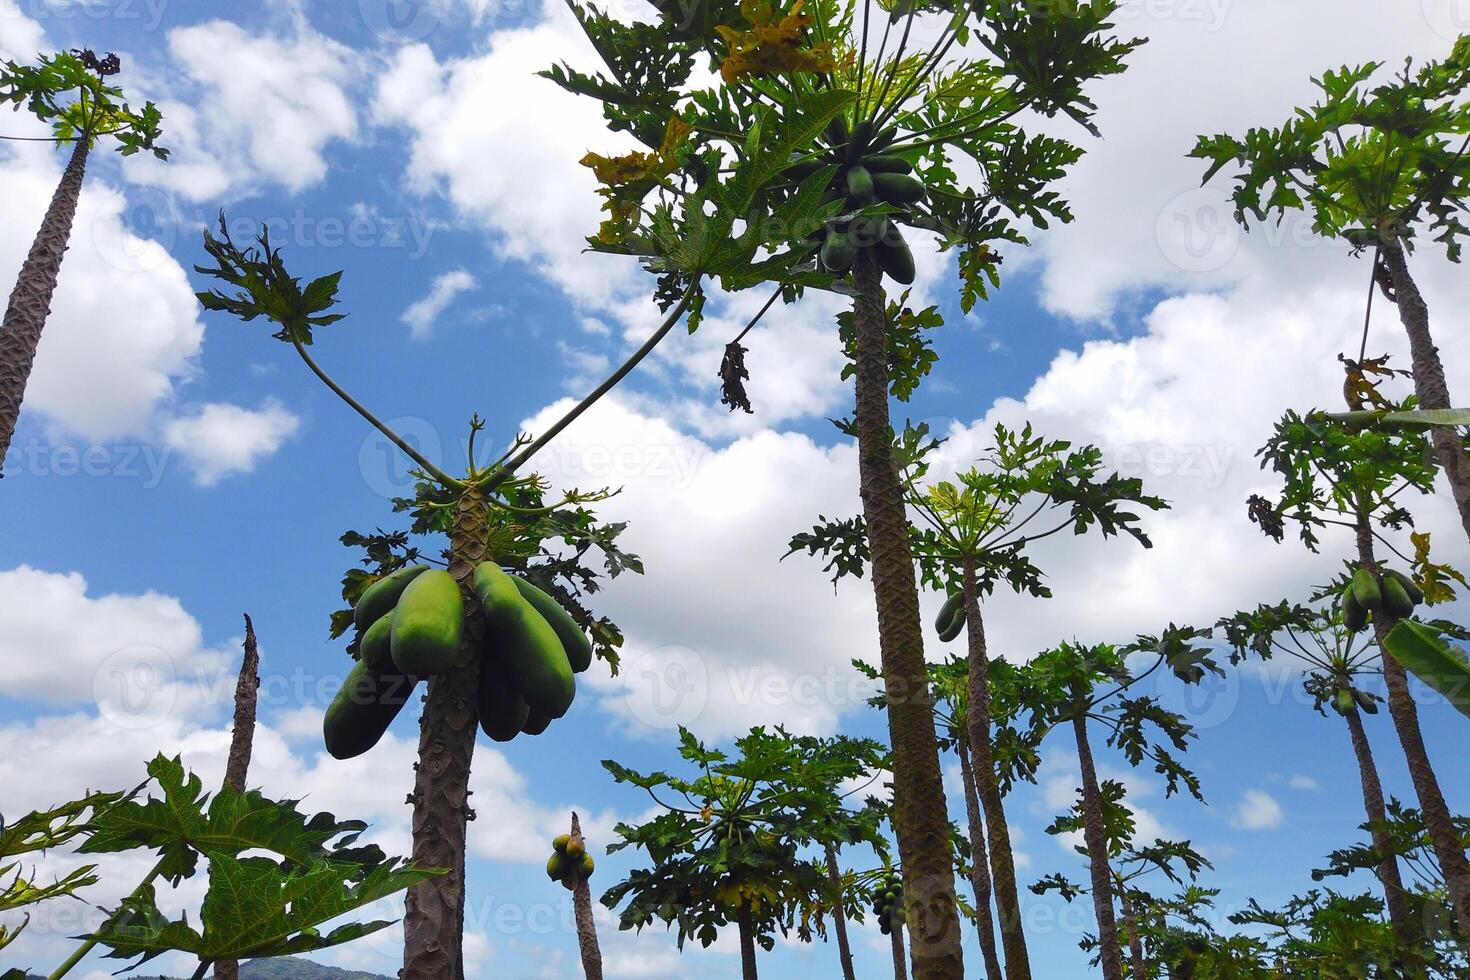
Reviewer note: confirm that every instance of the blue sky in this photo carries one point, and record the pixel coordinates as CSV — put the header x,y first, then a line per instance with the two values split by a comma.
x,y
173,470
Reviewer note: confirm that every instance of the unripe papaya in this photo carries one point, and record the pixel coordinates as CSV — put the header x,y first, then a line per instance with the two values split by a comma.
x,y
859,185
882,163
578,648
882,139
588,866
1416,594
536,723
428,625
803,169
525,643
894,256
559,842
1366,702
575,848
1354,616
955,628
378,599
898,188
1396,601
1343,702
953,604
374,648
857,143
1365,589
362,711
837,131
556,867
838,252
868,231
502,710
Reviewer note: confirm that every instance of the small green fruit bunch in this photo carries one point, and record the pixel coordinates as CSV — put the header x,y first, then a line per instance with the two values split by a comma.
x,y
569,863
1396,596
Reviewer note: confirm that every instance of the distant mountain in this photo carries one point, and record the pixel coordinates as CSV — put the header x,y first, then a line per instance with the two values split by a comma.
x,y
276,969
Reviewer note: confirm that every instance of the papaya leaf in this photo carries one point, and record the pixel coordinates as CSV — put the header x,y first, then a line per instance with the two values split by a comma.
x,y
1425,654
22,890
46,829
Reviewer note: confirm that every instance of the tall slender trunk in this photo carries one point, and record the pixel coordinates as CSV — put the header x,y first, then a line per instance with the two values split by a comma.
x,y
979,864
747,943
839,913
920,817
242,743
1395,898
1447,846
30,302
433,920
1429,379
586,925
1140,970
1002,861
1109,950
900,967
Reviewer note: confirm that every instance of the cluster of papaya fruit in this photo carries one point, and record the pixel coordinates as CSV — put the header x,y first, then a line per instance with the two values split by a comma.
x,y
410,626
951,618
569,863
888,903
1347,697
865,176
1397,596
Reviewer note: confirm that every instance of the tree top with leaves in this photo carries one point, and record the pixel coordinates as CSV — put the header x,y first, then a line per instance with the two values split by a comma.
x,y
69,90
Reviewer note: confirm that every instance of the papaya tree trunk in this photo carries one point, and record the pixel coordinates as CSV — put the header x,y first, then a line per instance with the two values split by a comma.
x,y
586,925
920,817
747,943
1139,965
242,743
979,865
1395,898
30,301
1109,951
433,920
1429,379
839,913
977,718
1405,714
900,966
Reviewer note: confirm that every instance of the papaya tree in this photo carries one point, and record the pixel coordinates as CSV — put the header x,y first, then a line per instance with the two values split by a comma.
x,y
849,143
1338,664
572,865
1078,686
1344,475
1380,163
497,624
726,846
70,92
970,534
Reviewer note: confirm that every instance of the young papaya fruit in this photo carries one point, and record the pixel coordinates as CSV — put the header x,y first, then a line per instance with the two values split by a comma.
x,y
898,188
1396,601
525,643
884,163
868,231
1367,703
955,628
573,640
857,142
502,710
1354,616
428,624
557,867
536,723
838,251
951,605
859,185
588,866
882,139
362,710
378,599
575,848
1342,701
837,131
1366,590
894,256
560,841
373,647
1416,594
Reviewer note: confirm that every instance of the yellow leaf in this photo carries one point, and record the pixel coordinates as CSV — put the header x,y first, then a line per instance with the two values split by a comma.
x,y
773,45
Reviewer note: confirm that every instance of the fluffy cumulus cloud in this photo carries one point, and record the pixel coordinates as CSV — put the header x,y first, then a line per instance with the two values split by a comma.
x,y
219,440
1258,810
422,313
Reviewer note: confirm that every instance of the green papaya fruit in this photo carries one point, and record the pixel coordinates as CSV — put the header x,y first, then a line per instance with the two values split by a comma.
x,y
894,256
882,139
559,842
955,627
362,710
1343,702
803,169
575,848
588,866
525,643
1354,616
838,251
1366,702
1366,590
1416,594
1396,601
378,599
859,185
837,131
536,723
374,648
868,231
578,648
428,625
945,618
556,867
898,188
502,710
857,142
880,163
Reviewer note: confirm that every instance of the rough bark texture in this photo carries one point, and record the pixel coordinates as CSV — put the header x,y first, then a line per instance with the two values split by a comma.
x,y
747,944
30,302
1140,970
977,718
1405,714
242,741
586,926
979,865
839,914
900,968
920,817
1110,952
1395,898
1429,380
433,921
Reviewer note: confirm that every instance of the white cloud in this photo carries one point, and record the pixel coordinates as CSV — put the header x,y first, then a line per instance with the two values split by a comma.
x,y
1304,783
1258,810
422,313
219,440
